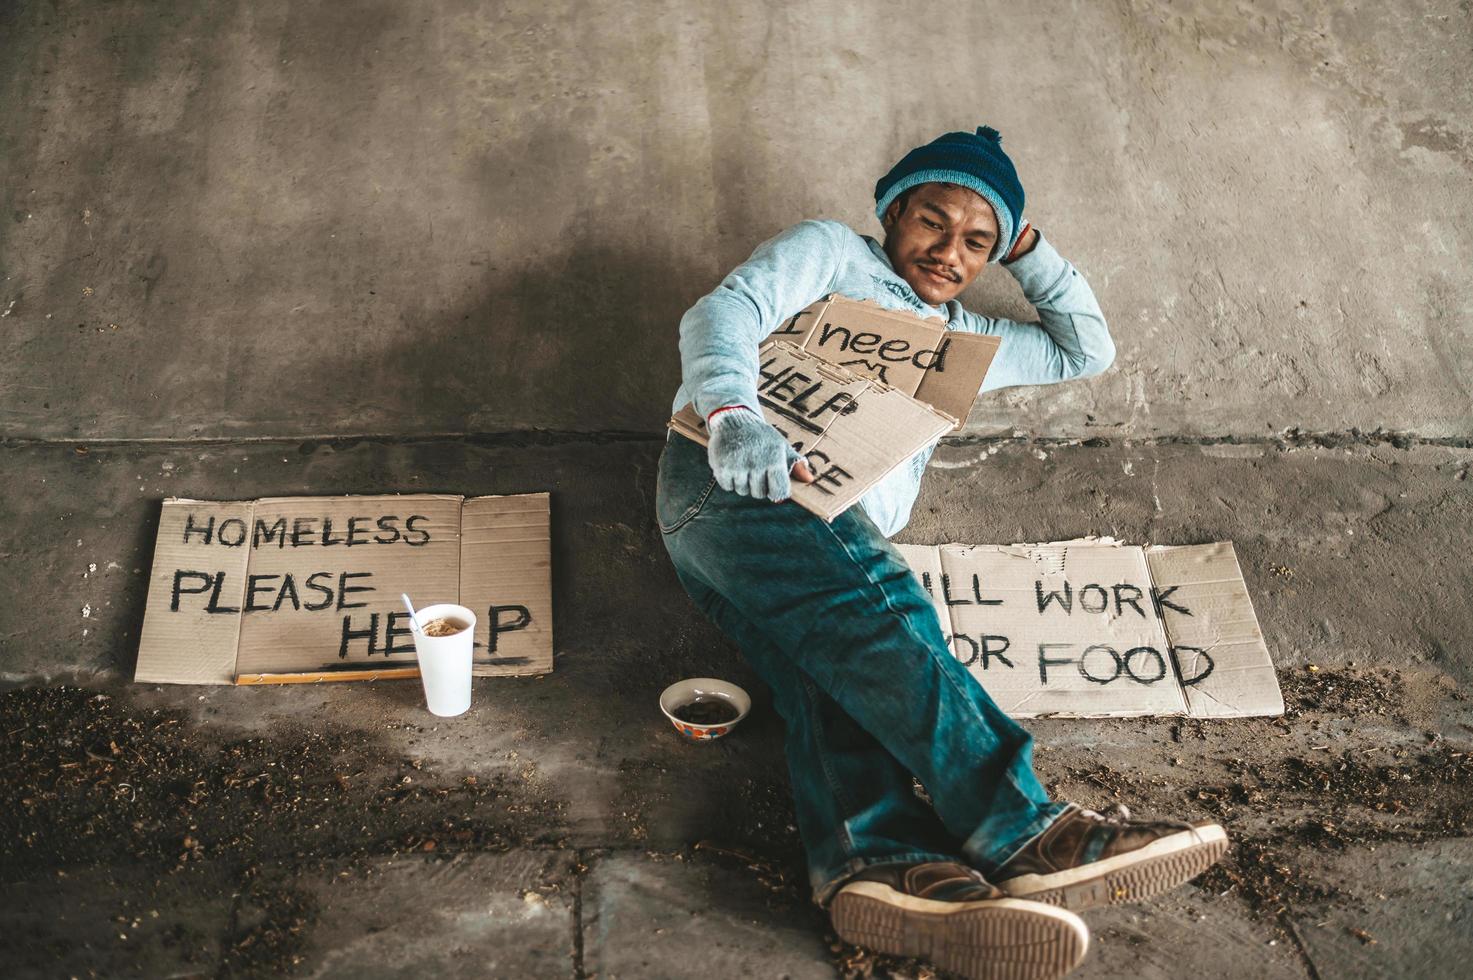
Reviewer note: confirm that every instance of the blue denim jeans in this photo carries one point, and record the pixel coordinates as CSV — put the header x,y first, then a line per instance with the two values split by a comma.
x,y
832,619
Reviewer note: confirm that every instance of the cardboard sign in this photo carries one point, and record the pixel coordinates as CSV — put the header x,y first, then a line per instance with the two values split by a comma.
x,y
858,390
296,589
1089,629
920,357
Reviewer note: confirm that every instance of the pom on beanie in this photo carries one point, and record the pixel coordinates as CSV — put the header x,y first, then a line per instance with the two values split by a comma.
x,y
972,160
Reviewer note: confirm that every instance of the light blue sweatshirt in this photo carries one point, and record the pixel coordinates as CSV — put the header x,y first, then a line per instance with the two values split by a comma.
x,y
720,334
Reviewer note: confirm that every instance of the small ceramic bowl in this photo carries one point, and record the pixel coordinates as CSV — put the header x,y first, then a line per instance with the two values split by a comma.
x,y
684,692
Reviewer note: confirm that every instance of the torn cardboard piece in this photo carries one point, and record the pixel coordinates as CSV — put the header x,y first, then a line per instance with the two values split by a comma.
x,y
920,357
295,589
859,390
1209,620
194,648
1090,629
506,579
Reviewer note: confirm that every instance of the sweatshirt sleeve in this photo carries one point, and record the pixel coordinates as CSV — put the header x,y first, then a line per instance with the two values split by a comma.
x,y
1070,341
720,334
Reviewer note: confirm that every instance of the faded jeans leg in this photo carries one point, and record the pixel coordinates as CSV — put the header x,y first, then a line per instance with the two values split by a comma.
x,y
839,605
854,803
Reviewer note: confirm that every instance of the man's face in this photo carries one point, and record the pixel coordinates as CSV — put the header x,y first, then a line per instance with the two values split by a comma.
x,y
941,240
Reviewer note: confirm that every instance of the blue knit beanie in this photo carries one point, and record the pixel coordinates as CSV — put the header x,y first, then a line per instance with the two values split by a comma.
x,y
975,161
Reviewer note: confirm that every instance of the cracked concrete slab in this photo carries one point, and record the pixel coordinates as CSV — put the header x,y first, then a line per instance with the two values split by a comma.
x,y
474,915
658,916
1405,911
1187,933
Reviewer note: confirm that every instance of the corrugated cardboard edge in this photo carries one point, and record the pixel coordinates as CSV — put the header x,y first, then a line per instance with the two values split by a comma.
x,y
1249,649
387,673
161,659
941,424
539,646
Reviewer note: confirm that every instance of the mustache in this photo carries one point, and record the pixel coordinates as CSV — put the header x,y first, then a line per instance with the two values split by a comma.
x,y
942,269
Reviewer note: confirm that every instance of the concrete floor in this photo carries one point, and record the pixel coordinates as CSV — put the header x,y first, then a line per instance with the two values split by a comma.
x,y
630,853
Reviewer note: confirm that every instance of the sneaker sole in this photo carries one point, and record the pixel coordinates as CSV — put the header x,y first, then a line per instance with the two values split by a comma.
x,y
995,939
1144,873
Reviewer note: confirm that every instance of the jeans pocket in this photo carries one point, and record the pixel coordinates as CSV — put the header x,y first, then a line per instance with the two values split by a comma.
x,y
683,485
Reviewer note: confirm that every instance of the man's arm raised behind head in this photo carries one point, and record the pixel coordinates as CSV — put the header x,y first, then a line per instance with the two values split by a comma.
x,y
720,334
1070,341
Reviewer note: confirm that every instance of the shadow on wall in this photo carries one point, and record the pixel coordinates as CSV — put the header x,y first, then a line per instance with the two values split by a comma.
x,y
585,338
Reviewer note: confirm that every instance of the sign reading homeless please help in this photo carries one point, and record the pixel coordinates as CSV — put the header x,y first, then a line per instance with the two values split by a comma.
x,y
308,588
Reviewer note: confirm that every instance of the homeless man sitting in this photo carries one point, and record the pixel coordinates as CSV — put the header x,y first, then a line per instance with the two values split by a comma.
x,y
985,880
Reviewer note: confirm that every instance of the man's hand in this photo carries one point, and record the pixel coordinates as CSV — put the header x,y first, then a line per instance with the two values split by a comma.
x,y
1026,240
750,457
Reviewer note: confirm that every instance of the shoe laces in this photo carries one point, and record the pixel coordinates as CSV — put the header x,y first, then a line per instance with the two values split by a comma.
x,y
1118,815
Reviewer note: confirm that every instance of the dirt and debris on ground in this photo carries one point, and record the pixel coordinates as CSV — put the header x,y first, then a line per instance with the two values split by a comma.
x,y
88,780
1285,788
92,780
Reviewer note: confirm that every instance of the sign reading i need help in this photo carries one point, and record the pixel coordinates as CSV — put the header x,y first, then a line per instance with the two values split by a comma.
x,y
294,589
1091,628
858,390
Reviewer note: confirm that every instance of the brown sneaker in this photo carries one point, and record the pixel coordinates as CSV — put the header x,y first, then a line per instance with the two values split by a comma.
x,y
948,914
1085,859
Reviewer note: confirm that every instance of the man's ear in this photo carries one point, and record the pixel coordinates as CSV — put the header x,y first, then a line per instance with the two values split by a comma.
x,y
892,215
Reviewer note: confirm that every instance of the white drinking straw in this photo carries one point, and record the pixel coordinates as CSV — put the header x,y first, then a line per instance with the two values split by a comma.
x,y
413,619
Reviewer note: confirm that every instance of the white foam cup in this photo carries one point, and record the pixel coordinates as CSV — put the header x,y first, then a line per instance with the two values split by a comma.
x,y
445,661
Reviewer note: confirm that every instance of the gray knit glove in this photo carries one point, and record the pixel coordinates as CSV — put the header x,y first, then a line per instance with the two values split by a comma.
x,y
748,456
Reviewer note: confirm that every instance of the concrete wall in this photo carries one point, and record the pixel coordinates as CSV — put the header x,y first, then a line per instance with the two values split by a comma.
x,y
272,218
